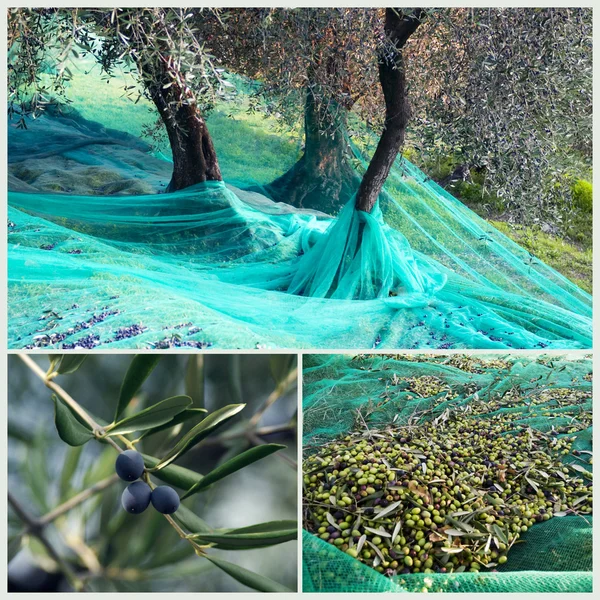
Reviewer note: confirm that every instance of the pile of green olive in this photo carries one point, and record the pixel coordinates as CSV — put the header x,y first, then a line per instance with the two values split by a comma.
x,y
454,492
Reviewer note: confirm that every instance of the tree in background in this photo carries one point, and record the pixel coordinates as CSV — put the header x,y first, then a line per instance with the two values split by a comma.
x,y
506,92
162,46
313,65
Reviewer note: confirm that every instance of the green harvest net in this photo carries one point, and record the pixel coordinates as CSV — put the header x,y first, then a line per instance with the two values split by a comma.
x,y
98,257
553,555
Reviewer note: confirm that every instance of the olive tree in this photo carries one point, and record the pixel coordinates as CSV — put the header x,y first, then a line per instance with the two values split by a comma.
x,y
163,48
312,64
507,92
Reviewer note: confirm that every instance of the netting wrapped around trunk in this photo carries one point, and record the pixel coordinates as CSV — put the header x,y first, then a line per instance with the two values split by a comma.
x,y
98,257
447,473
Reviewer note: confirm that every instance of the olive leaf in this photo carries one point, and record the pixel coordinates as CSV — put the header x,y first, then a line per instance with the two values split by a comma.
x,y
14,546
248,578
254,536
175,475
190,521
153,416
139,370
580,469
188,413
70,429
386,511
199,432
235,464
61,364
69,467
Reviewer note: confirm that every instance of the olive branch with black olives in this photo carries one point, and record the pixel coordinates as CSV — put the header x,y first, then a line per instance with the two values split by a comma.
x,y
76,426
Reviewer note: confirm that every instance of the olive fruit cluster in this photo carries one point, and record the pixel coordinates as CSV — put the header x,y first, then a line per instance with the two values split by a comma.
x,y
446,496
138,495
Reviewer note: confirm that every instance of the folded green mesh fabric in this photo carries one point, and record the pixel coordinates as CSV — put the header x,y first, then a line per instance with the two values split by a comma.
x,y
220,266
543,393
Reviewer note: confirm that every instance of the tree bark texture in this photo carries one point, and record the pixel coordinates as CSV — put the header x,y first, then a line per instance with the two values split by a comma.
x,y
392,78
322,179
194,156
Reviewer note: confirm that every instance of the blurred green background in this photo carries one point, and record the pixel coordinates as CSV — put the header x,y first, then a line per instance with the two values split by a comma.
x,y
120,552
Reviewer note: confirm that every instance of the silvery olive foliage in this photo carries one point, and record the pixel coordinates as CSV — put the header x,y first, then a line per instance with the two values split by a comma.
x,y
188,447
505,91
330,53
508,92
161,46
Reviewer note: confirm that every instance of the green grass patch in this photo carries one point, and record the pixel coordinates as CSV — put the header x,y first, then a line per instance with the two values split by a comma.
x,y
572,262
252,147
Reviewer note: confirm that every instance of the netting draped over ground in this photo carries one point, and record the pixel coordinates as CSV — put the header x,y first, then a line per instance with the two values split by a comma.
x,y
98,257
543,393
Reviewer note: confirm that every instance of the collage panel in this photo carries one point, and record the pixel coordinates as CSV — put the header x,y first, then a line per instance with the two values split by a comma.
x,y
152,473
260,198
447,473
368,227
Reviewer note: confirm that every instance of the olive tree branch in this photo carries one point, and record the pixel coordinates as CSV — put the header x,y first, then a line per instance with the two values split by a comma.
x,y
33,525
277,393
99,434
257,441
77,500
59,391
229,437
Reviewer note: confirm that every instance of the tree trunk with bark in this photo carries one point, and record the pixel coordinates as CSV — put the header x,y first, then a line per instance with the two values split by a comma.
x,y
194,155
392,77
322,179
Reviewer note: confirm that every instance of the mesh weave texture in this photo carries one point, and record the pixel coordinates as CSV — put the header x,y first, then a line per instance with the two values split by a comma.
x,y
552,556
97,256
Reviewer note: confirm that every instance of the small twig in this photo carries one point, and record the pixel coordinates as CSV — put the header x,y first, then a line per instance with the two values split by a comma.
x,y
76,500
33,526
277,393
96,428
257,441
224,438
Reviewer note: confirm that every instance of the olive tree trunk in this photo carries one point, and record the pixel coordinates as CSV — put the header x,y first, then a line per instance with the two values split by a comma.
x,y
194,155
323,178
392,78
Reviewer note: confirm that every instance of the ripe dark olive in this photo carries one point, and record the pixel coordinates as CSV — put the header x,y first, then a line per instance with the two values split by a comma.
x,y
136,497
129,465
165,499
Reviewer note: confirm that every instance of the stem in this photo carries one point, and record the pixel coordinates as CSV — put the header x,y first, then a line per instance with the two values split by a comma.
x,y
279,391
257,441
77,500
33,526
96,428
216,441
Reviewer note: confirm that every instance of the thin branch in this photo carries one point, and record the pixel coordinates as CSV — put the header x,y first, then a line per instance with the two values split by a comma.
x,y
34,527
96,428
229,437
257,441
277,393
77,500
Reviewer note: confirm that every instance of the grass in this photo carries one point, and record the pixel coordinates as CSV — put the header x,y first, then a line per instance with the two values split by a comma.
x,y
241,137
572,262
